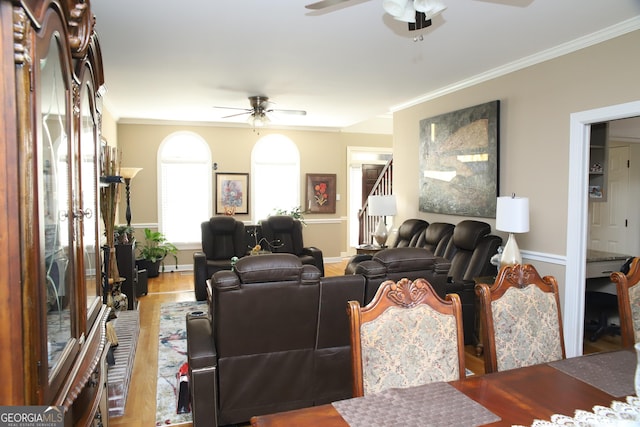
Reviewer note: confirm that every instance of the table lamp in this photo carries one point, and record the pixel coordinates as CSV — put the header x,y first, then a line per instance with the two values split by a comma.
x,y
127,174
512,216
382,206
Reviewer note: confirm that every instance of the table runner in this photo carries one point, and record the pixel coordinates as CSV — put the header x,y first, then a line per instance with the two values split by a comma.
x,y
612,372
619,414
433,405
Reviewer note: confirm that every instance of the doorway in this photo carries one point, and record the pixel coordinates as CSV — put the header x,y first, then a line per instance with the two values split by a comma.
x,y
577,218
357,158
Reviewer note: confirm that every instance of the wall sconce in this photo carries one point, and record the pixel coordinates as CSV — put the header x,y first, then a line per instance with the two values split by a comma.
x,y
512,216
128,174
382,206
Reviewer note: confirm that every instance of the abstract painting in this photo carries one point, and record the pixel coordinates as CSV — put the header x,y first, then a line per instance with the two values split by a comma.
x,y
459,162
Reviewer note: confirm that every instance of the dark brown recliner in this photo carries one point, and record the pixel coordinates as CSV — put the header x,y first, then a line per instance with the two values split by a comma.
x,y
436,237
470,250
408,236
283,234
397,263
223,237
277,339
409,232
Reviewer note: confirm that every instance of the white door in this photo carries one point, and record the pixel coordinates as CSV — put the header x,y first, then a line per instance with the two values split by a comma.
x,y
608,229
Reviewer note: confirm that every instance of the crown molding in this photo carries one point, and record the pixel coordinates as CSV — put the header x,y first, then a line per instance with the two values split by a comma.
x,y
617,30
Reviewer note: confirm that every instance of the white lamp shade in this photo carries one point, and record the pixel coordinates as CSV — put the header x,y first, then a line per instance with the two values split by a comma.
x,y
394,7
129,173
512,214
382,205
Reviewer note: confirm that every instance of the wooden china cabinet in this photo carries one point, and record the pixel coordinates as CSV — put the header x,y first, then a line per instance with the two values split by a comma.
x,y
52,321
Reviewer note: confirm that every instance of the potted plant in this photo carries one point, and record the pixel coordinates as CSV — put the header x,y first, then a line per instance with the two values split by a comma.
x,y
153,251
123,234
295,212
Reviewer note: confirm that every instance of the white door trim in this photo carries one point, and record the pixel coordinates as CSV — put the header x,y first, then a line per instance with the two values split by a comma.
x,y
577,222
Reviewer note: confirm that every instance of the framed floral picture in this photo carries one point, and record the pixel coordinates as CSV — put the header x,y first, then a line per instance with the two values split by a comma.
x,y
232,193
321,193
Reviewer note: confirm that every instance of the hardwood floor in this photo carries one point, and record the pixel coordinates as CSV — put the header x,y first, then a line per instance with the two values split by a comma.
x,y
170,287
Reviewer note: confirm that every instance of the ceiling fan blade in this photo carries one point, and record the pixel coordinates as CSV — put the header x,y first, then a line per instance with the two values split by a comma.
x,y
324,3
236,115
294,112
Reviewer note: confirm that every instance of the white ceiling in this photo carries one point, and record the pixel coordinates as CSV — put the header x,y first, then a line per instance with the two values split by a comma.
x,y
348,66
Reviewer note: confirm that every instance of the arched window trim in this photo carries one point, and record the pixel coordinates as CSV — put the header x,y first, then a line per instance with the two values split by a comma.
x,y
288,154
203,189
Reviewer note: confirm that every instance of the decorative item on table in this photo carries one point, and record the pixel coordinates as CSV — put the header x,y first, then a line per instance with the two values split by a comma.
x,y
512,216
234,259
258,248
109,179
229,210
383,206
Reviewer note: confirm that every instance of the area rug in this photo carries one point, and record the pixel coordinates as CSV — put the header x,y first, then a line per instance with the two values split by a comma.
x,y
172,353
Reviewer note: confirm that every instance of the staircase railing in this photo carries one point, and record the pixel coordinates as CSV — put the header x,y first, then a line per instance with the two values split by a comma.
x,y
382,187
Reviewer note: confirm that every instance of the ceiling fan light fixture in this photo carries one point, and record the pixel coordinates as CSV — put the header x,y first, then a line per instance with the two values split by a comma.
x,y
408,15
395,8
258,119
430,8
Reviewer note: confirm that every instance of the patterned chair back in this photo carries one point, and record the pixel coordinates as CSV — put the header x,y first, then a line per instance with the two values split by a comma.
x,y
521,320
629,303
406,336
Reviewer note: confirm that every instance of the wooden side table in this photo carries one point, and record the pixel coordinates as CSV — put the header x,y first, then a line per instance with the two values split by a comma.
x,y
368,249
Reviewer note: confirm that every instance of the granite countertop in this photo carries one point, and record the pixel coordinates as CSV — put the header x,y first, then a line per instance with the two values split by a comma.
x,y
597,256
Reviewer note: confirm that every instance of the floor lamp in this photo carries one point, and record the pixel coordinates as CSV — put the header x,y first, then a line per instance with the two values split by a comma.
x,y
382,206
128,174
512,216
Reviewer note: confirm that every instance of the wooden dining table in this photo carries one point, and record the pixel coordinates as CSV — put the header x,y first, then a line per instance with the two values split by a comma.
x,y
517,397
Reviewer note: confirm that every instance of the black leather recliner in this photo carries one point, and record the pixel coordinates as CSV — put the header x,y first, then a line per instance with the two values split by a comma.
x,y
470,250
409,232
397,263
276,338
223,237
283,234
436,237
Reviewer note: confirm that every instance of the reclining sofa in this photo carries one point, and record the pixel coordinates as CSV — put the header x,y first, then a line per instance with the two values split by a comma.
x,y
276,338
452,269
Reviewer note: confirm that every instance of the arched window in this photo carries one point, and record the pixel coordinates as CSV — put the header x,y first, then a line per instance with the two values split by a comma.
x,y
275,166
184,186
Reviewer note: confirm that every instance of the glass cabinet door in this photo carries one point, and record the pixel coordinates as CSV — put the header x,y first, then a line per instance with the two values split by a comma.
x,y
88,200
54,199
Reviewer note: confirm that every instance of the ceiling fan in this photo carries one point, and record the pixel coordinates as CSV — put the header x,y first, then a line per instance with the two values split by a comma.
x,y
417,13
260,107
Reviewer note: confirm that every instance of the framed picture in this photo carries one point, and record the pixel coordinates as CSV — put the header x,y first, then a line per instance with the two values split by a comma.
x,y
321,193
459,162
232,193
595,192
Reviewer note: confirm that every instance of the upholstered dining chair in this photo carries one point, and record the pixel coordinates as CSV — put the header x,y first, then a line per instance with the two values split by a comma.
x,y
406,336
520,319
629,302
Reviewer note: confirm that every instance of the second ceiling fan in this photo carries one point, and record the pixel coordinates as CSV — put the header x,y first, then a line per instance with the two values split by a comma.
x,y
260,108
